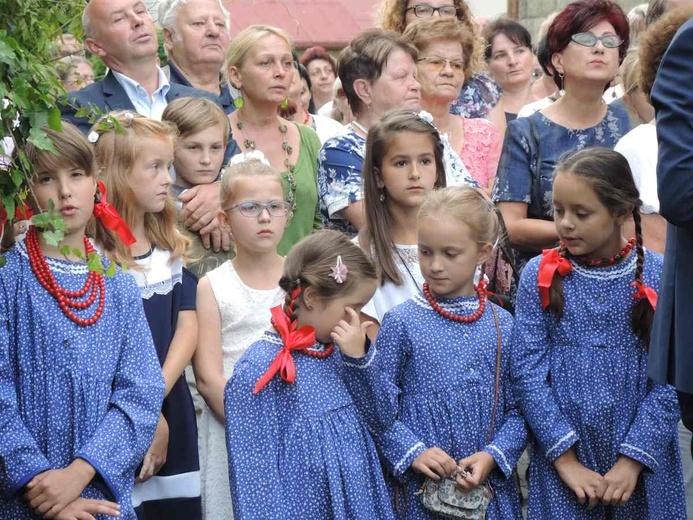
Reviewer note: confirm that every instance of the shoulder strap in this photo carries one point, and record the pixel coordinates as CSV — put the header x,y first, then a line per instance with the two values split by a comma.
x,y
496,385
535,169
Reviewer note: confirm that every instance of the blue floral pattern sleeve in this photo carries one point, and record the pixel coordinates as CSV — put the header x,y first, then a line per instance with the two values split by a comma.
x,y
477,97
340,163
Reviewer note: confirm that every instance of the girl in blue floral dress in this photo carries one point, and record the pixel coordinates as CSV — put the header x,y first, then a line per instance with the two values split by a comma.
x,y
80,386
136,159
438,354
605,437
297,445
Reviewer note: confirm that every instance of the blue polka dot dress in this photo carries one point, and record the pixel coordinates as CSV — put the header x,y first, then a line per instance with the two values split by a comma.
x,y
582,383
68,391
438,378
299,450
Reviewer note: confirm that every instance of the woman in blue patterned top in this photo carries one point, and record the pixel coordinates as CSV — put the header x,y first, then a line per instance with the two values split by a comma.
x,y
605,436
80,385
587,42
437,355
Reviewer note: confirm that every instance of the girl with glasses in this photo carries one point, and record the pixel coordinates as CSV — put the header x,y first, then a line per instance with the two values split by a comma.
x,y
233,306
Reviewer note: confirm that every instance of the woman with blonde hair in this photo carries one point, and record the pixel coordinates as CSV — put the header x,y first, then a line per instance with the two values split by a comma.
x,y
259,63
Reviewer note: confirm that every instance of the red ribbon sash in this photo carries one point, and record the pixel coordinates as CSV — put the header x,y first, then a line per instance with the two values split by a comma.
x,y
294,340
110,218
642,292
551,261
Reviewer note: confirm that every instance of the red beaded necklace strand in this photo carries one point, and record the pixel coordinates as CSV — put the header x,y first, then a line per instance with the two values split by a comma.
x,y
481,293
605,262
67,299
313,353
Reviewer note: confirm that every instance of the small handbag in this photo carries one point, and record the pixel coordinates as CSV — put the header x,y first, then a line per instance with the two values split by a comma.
x,y
443,497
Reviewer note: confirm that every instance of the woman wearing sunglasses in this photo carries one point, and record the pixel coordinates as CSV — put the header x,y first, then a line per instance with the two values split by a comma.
x,y
587,42
479,93
446,49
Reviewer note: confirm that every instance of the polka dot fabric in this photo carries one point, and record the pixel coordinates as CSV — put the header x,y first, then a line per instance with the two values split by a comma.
x,y
68,391
299,450
439,377
582,382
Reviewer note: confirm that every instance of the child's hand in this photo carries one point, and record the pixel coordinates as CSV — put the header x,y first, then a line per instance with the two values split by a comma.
x,y
434,463
50,492
351,336
621,481
587,485
85,509
156,456
474,470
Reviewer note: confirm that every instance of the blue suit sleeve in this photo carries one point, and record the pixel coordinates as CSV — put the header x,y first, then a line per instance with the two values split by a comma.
x,y
397,444
68,112
674,106
122,439
658,414
252,436
20,457
510,437
531,357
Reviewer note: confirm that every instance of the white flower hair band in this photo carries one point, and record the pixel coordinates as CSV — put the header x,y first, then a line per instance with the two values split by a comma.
x,y
248,156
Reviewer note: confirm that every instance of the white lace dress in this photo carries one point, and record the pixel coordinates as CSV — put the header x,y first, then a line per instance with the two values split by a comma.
x,y
245,316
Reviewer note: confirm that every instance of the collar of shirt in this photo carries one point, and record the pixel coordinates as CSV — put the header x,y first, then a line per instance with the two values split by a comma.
x,y
150,107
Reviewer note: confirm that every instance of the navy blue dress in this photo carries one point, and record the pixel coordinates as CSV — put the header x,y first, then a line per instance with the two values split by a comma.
x,y
174,492
299,450
68,391
439,378
538,140
582,383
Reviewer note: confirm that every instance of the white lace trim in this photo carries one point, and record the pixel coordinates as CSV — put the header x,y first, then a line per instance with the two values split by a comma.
x,y
601,273
370,356
472,305
497,450
60,266
560,441
635,448
276,340
161,288
411,450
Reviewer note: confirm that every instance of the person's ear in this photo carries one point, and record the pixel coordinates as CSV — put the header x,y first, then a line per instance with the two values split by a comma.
x,y
235,77
310,298
168,39
484,254
378,178
557,62
95,48
624,216
364,91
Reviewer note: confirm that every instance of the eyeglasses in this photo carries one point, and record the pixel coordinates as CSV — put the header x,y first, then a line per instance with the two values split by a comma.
x,y
426,11
587,39
252,209
437,64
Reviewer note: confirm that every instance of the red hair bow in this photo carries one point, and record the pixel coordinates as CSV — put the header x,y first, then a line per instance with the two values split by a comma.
x,y
110,218
643,292
551,261
294,340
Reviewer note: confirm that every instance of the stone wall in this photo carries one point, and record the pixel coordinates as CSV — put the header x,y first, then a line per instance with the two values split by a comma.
x,y
532,12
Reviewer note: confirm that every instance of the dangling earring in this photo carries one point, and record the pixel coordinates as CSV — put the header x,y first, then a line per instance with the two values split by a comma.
x,y
562,90
238,102
382,196
285,104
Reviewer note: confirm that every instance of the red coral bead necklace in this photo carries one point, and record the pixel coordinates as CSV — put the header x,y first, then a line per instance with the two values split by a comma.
x,y
613,260
67,299
480,289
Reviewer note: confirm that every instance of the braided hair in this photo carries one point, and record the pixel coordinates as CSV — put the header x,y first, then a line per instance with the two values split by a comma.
x,y
610,176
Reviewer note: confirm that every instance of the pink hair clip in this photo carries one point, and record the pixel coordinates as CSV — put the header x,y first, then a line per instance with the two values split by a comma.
x,y
339,271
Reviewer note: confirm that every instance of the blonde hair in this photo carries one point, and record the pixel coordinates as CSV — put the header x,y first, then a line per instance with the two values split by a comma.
x,y
467,206
631,71
115,151
434,29
192,115
243,42
248,169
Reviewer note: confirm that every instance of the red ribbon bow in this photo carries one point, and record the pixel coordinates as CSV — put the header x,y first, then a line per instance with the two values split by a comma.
x,y
642,292
551,261
110,218
294,340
